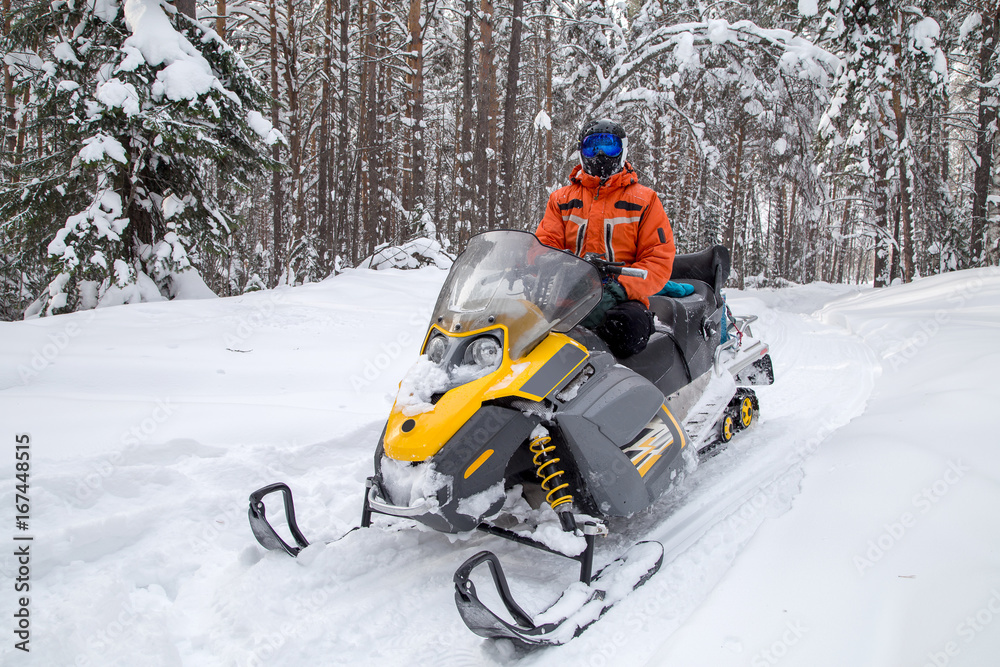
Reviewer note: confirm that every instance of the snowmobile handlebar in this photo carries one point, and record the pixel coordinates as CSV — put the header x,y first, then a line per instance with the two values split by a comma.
x,y
614,268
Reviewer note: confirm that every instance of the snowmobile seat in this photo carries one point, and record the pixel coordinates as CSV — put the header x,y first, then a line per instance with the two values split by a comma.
x,y
710,266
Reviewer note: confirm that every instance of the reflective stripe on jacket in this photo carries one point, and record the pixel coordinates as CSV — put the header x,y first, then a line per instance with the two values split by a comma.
x,y
622,220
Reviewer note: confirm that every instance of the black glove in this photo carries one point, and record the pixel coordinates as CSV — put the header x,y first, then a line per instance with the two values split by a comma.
x,y
612,295
626,329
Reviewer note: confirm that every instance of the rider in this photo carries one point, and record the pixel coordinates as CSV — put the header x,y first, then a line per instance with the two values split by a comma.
x,y
604,210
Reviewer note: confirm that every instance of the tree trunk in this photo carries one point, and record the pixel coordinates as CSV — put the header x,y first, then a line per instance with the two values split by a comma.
x,y
289,47
484,168
729,239
883,245
985,136
904,215
549,176
220,19
415,111
323,148
187,7
790,229
371,194
510,115
276,186
343,181
466,222
10,121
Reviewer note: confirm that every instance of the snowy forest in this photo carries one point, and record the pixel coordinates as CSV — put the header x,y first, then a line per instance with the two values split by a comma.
x,y
151,150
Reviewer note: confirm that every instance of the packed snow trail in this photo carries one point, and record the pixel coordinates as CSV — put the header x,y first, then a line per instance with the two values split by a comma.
x,y
151,424
891,555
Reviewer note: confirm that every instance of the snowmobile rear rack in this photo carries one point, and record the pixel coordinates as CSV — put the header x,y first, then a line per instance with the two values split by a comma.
x,y
264,531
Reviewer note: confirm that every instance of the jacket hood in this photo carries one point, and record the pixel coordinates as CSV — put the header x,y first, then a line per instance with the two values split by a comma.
x,y
626,176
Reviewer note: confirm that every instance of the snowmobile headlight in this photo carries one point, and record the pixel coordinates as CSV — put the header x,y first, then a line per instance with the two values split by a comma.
x,y
484,352
436,349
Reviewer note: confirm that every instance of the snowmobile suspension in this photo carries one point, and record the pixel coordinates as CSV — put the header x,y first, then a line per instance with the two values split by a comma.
x,y
546,467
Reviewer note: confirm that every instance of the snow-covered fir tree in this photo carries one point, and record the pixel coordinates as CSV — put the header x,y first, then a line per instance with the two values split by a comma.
x,y
892,68
138,104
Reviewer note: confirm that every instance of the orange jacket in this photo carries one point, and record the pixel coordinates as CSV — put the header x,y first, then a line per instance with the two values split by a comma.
x,y
622,220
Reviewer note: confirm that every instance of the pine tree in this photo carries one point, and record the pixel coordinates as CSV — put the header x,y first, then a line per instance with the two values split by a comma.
x,y
136,105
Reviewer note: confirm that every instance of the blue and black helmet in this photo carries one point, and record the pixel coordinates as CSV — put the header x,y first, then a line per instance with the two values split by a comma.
x,y
603,147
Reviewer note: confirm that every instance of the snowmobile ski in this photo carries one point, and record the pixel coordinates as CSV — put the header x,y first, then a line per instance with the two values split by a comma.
x,y
264,531
577,608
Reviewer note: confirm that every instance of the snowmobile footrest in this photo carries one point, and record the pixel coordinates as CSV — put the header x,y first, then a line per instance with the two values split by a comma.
x,y
264,531
576,609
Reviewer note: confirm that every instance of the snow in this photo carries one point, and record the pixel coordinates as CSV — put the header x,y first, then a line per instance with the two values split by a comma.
x,y
542,121
808,7
263,128
115,93
971,22
106,10
186,75
424,379
855,524
190,285
64,53
98,147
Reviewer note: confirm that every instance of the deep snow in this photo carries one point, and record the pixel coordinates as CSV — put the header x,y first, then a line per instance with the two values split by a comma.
x,y
856,524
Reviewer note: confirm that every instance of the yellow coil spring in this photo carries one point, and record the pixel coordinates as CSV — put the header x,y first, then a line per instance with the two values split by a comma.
x,y
543,459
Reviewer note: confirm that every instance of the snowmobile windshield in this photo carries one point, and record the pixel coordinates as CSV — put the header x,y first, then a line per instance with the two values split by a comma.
x,y
509,278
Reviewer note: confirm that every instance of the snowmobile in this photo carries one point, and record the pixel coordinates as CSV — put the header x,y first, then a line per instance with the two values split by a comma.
x,y
516,419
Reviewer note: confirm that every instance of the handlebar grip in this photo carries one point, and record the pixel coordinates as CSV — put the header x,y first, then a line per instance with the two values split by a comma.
x,y
633,272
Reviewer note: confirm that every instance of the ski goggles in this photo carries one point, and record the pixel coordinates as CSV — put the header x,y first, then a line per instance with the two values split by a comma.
x,y
604,142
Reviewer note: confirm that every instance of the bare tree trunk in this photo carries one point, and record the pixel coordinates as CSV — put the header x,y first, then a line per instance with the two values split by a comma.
x,y
323,148
790,231
187,7
779,231
985,136
371,190
510,115
220,19
484,168
549,177
894,263
466,222
10,120
289,47
415,111
343,182
276,186
730,238
883,244
904,216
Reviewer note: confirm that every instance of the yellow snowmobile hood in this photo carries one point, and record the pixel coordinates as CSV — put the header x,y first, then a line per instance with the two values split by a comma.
x,y
417,436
